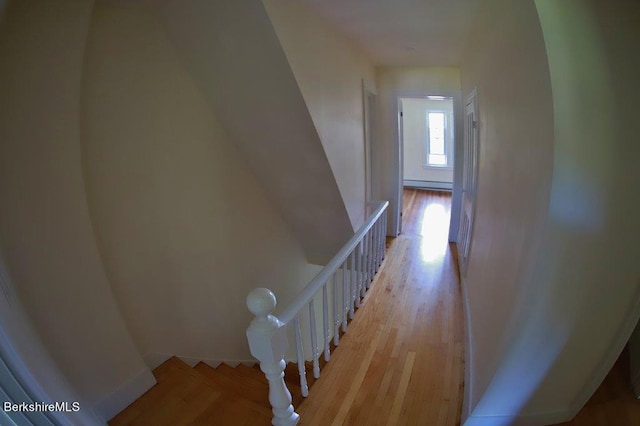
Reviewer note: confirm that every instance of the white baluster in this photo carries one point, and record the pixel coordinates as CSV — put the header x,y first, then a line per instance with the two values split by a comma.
x,y
382,238
358,294
372,270
374,247
371,257
325,323
268,343
314,340
302,371
374,256
378,232
345,306
365,257
384,234
381,241
365,260
336,317
352,283
361,279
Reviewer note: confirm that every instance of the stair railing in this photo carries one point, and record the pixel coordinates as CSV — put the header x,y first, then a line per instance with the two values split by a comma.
x,y
350,274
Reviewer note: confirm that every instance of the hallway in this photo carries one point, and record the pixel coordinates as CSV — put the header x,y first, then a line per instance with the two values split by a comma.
x,y
401,361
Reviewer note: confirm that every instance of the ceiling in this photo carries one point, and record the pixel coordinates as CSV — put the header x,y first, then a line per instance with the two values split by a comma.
x,y
403,32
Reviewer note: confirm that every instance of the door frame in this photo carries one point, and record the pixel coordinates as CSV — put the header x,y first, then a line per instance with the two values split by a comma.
x,y
470,159
396,174
369,107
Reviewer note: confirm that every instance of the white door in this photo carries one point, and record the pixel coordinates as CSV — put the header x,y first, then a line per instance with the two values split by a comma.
x,y
469,180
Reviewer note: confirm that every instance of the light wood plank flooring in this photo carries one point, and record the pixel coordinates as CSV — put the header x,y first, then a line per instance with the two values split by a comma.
x,y
401,361
613,403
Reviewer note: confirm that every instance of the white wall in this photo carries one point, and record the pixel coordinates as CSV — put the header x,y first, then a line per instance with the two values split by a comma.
x,y
592,296
46,231
32,368
184,227
395,82
329,71
233,54
415,135
515,159
554,253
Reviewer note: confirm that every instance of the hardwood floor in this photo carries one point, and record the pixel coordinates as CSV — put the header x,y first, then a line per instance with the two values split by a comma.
x,y
200,396
613,403
401,362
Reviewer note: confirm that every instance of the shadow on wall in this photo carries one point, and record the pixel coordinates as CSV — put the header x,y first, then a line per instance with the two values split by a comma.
x,y
180,218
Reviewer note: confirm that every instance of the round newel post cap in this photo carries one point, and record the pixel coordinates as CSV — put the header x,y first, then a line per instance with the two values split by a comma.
x,y
261,302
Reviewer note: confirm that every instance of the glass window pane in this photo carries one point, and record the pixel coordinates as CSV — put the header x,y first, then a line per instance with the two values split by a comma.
x,y
437,155
437,160
436,119
436,145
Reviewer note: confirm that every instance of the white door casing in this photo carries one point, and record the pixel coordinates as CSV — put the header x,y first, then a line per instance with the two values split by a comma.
x,y
369,106
401,166
469,180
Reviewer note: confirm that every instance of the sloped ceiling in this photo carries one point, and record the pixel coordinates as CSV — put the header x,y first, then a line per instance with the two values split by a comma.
x,y
234,56
403,32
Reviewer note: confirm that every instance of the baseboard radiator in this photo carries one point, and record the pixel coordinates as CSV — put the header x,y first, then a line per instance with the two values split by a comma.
x,y
340,285
428,184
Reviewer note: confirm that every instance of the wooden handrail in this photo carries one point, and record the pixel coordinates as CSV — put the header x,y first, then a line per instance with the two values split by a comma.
x,y
307,293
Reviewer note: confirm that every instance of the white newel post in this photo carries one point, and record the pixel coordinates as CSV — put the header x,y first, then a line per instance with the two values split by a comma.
x,y
268,343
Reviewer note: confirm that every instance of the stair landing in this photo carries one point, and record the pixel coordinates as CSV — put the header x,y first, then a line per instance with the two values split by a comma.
x,y
201,395
400,363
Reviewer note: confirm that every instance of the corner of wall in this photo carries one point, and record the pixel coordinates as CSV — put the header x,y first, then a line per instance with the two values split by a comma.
x,y
124,395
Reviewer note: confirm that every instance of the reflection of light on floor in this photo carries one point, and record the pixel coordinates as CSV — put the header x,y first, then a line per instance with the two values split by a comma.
x,y
434,231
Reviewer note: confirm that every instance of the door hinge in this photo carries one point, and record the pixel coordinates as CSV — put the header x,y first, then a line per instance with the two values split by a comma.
x,y
474,124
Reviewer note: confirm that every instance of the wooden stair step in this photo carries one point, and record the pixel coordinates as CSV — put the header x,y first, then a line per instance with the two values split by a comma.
x,y
180,390
242,386
206,395
248,373
231,410
200,395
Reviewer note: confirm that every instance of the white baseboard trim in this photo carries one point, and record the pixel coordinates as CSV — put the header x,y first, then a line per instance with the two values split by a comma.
x,y
620,340
122,397
190,361
231,363
154,359
552,417
468,353
428,184
534,419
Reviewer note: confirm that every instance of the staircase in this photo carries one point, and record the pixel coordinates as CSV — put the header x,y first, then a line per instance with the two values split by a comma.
x,y
203,395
